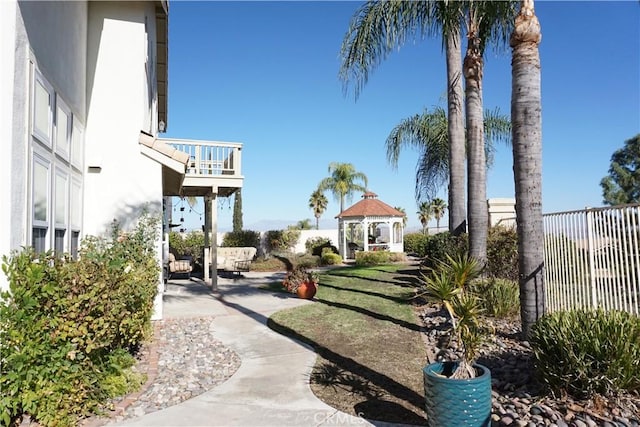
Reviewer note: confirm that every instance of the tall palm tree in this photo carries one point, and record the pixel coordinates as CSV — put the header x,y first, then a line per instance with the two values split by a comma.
x,y
318,204
438,207
404,217
526,113
376,29
425,213
343,181
428,133
485,21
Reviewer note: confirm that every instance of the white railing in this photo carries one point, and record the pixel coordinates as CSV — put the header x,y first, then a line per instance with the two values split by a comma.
x,y
208,158
592,259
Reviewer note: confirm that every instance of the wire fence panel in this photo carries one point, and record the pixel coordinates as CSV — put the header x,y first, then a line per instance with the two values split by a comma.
x,y
592,259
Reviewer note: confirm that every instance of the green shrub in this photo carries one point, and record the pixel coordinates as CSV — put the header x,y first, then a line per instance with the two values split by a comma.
x,y
242,239
582,352
328,257
441,245
317,245
498,297
373,257
502,253
282,240
63,323
416,243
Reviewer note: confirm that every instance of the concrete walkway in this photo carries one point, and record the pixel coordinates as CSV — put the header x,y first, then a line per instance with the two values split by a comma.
x,y
271,387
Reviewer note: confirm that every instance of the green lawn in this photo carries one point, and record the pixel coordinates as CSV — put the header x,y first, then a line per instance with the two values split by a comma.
x,y
365,330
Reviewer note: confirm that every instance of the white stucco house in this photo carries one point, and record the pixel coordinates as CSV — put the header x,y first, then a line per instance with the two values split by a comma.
x,y
83,98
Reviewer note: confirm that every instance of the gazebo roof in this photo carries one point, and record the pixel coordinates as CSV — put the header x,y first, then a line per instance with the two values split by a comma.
x,y
370,206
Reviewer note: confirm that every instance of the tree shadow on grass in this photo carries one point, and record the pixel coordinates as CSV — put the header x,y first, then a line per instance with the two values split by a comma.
x,y
403,323
371,385
399,300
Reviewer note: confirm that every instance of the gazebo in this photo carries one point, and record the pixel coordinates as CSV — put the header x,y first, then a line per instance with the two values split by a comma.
x,y
370,225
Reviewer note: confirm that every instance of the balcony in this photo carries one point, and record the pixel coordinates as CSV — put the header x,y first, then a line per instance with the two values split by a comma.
x,y
213,166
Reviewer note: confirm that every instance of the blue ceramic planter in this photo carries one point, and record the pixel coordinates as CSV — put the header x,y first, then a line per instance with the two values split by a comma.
x,y
453,402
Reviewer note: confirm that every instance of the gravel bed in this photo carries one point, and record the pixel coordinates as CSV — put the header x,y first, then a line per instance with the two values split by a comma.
x,y
518,400
190,361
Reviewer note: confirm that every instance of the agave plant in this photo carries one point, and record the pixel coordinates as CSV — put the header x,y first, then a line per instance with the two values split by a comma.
x,y
448,284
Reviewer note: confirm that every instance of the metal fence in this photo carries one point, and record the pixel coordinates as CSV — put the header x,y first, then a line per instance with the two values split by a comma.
x,y
592,259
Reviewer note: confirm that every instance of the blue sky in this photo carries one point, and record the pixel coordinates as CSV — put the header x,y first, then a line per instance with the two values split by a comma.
x,y
266,74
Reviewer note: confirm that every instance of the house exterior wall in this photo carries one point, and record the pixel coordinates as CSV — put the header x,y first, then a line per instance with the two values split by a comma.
x,y
48,37
97,61
121,182
8,18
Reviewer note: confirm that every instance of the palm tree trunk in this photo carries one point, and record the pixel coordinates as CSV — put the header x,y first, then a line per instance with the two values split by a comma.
x,y
526,118
476,161
457,213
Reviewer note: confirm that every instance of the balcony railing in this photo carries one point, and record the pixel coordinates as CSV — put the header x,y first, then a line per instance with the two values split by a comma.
x,y
210,158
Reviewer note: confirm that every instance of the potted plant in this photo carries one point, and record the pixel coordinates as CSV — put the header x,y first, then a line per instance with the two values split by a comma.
x,y
457,391
301,281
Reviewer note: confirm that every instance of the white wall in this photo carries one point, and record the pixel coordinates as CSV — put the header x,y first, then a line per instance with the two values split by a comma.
x,y
300,246
121,182
7,53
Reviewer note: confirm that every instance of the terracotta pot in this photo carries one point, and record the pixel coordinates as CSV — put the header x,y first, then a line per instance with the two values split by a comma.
x,y
307,290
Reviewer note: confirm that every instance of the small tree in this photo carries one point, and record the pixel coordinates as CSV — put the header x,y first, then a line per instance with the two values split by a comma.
x,y
318,204
438,208
237,212
622,185
425,213
303,224
343,182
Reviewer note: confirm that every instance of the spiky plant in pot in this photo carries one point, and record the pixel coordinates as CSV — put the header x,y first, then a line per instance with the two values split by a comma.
x,y
448,284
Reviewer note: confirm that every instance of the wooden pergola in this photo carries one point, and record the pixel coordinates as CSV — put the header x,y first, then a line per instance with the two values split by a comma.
x,y
370,225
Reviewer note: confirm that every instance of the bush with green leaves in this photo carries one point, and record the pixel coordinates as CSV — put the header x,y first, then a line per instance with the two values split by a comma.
x,y
498,297
583,352
378,257
65,325
242,239
443,245
317,245
328,257
282,240
416,243
502,253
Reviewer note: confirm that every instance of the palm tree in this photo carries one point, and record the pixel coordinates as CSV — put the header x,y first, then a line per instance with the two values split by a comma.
x,y
438,207
527,162
318,204
404,213
343,181
428,133
376,29
379,27
485,20
425,213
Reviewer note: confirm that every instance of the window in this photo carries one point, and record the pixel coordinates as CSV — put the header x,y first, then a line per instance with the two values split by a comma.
x,y
61,211
40,203
56,171
63,129
77,145
42,110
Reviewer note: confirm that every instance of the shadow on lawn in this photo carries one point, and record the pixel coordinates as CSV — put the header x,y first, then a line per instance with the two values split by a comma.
x,y
404,324
408,278
358,379
372,293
